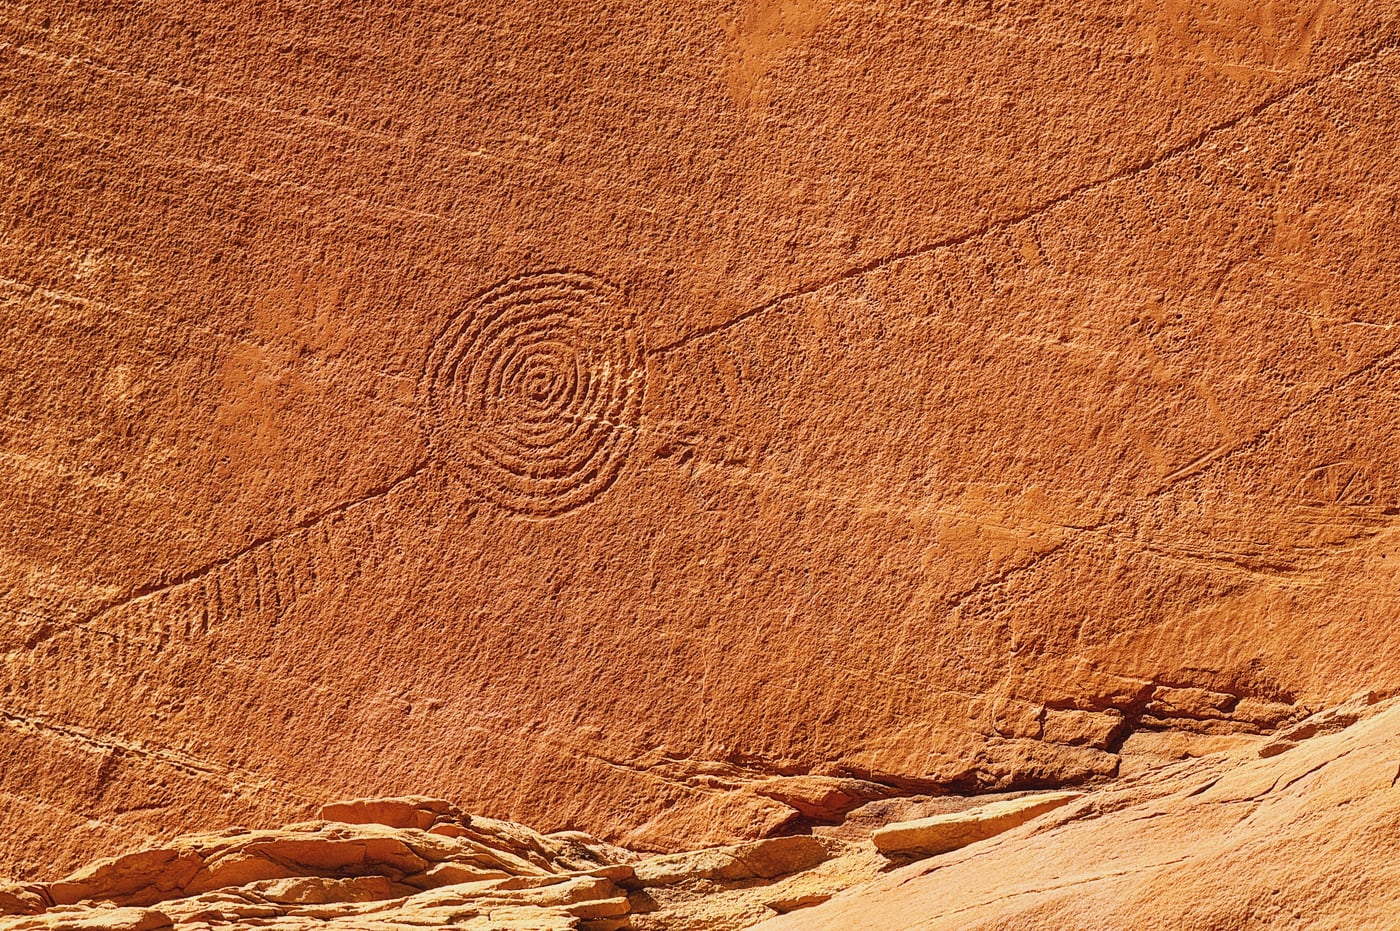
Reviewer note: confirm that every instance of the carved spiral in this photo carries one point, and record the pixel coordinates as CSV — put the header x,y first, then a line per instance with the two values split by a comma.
x,y
535,391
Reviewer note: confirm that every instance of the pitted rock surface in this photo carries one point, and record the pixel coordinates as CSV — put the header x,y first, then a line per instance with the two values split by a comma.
x,y
599,414
1231,838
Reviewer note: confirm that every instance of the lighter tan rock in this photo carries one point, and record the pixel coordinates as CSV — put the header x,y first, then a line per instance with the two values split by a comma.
x,y
1298,841
942,833
763,859
387,867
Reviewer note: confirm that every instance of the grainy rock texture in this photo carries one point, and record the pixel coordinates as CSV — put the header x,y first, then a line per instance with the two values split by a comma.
x,y
1305,837
1302,839
681,425
419,863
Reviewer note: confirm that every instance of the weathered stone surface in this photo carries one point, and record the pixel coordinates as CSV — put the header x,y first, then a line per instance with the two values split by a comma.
x,y
765,859
942,833
23,898
322,862
108,918
367,874
1300,840
1082,728
1324,722
822,798
414,811
341,875
1303,839
596,412
141,878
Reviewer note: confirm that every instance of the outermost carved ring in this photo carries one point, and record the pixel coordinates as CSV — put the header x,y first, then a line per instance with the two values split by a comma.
x,y
534,391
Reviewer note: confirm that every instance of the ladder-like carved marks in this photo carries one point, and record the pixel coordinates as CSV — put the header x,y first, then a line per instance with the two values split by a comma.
x,y
1161,201
259,579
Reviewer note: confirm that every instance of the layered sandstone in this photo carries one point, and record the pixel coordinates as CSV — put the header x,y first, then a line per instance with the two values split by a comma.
x,y
683,426
1305,838
402,863
942,833
1289,833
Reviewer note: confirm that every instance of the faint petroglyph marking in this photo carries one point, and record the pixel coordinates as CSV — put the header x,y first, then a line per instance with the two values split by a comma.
x,y
560,483
230,590
259,583
230,777
533,392
1158,196
1121,525
1243,39
262,579
1151,202
1342,483
766,30
1163,327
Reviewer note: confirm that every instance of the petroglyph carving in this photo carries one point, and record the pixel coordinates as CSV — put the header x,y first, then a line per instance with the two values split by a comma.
x,y
260,582
950,355
1337,484
1245,38
534,392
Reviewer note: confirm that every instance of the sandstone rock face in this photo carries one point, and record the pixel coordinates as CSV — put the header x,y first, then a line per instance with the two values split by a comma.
x,y
599,415
1305,838
1302,838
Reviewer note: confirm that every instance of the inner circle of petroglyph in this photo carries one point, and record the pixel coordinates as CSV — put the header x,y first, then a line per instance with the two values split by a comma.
x,y
535,391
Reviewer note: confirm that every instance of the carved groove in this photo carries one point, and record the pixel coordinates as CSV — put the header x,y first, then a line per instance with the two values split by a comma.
x,y
534,392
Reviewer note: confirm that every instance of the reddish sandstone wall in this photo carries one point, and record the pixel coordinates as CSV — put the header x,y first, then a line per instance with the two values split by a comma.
x,y
580,411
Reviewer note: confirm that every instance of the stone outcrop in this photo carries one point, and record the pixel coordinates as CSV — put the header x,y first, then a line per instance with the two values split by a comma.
x,y
1324,722
942,833
388,864
413,862
1301,838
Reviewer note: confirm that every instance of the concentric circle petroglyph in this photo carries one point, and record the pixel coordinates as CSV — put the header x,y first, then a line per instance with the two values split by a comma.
x,y
534,391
